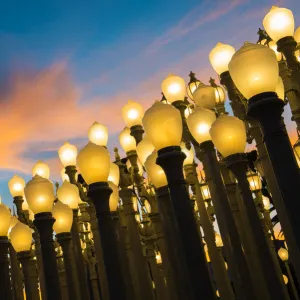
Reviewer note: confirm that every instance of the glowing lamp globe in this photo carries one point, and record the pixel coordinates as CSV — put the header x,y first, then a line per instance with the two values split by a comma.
x,y
297,35
13,222
114,174
191,87
68,194
42,169
205,96
220,95
199,123
254,181
67,154
163,125
94,163
132,113
5,218
63,216
155,173
228,134
283,254
158,258
189,160
39,194
279,23
16,186
273,46
173,87
114,197
98,134
21,237
254,70
126,140
220,56
25,205
144,149
280,89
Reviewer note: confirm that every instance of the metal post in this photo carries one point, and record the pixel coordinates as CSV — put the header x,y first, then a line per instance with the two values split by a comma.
x,y
5,285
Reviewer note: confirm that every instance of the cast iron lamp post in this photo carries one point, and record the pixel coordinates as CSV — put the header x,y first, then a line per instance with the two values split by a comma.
x,y
257,81
5,285
62,226
40,197
21,239
229,136
163,125
94,163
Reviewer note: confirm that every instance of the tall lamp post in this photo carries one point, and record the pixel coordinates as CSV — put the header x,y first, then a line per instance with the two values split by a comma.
x,y
94,164
163,125
40,197
21,239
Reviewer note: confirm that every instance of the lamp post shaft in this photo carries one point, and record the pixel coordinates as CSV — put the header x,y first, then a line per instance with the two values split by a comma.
x,y
30,280
44,223
64,239
291,280
171,160
99,193
5,285
276,289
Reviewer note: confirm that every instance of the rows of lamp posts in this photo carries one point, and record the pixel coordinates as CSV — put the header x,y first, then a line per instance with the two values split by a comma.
x,y
151,225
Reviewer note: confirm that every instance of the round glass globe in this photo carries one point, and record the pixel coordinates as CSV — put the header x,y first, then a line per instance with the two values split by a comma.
x,y
220,57
98,134
132,113
13,222
163,125
68,194
67,154
228,134
42,169
39,194
144,149
173,87
16,186
155,173
114,197
199,123
254,70
283,254
63,216
5,218
279,23
205,96
21,237
114,174
126,140
94,163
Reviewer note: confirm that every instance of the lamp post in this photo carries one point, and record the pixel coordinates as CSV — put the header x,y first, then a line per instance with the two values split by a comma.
x,y
199,123
5,284
94,163
68,193
62,226
21,238
40,197
284,256
266,108
163,125
229,136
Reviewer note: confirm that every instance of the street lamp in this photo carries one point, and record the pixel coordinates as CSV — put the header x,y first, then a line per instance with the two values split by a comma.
x,y
205,96
62,226
229,136
163,125
16,187
21,239
94,164
5,217
173,87
42,169
127,141
98,134
68,194
40,197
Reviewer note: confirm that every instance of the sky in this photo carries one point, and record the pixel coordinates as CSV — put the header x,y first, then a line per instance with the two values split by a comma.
x,y
65,64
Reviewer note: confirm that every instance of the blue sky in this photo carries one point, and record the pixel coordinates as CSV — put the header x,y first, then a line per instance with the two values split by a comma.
x,y
64,64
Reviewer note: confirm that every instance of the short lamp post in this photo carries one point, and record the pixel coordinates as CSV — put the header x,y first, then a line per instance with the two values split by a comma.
x,y
39,193
62,226
94,163
284,256
229,136
163,125
5,285
257,81
21,239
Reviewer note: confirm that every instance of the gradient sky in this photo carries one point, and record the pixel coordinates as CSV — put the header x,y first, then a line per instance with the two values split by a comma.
x,y
65,64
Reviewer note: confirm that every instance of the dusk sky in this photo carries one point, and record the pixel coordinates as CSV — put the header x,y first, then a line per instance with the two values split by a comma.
x,y
65,64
